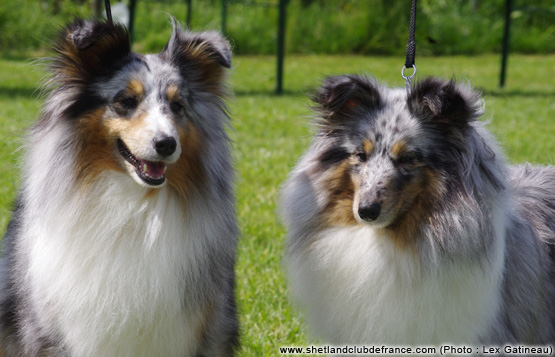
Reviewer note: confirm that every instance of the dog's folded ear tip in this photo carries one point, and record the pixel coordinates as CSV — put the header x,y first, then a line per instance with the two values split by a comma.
x,y
347,92
88,48
208,47
445,101
220,47
81,33
225,61
80,40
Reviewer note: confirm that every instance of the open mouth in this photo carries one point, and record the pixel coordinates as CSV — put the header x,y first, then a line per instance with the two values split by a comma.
x,y
151,172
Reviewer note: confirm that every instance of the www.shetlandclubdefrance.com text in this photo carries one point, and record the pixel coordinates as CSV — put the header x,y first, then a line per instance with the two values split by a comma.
x,y
508,350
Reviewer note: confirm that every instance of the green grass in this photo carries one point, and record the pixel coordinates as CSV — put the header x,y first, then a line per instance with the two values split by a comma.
x,y
271,132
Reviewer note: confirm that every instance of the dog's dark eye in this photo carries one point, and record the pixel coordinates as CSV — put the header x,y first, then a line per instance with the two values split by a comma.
x,y
176,106
362,156
128,102
407,159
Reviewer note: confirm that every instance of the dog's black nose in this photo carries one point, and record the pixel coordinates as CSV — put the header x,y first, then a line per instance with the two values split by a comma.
x,y
165,146
370,212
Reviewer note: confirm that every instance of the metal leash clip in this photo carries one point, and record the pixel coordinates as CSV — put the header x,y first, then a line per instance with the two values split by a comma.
x,y
408,78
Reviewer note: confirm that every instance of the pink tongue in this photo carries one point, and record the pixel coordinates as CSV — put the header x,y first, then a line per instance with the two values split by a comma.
x,y
153,169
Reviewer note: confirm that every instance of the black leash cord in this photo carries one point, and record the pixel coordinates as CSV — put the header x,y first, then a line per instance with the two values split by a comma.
x,y
411,46
108,11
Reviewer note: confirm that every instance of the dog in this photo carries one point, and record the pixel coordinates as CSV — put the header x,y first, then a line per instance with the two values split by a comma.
x,y
123,236
406,226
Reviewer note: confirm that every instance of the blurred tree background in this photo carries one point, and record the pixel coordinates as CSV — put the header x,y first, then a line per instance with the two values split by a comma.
x,y
369,27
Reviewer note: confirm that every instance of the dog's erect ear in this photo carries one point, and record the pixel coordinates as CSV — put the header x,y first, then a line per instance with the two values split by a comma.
x,y
446,103
89,49
198,55
341,97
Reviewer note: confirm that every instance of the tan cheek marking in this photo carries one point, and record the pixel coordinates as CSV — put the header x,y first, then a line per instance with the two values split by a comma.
x,y
130,130
188,171
95,153
411,192
339,209
368,147
425,193
398,148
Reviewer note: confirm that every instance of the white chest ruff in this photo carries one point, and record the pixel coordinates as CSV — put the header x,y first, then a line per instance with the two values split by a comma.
x,y
358,287
113,274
